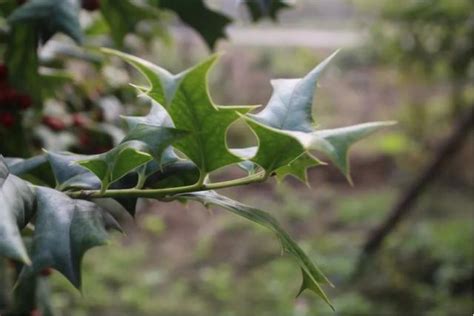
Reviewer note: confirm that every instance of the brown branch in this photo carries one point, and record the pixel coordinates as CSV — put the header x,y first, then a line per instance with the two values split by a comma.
x,y
404,205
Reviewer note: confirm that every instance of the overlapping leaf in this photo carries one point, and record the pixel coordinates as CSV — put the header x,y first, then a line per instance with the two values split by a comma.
x,y
64,230
285,128
186,98
312,276
49,17
17,204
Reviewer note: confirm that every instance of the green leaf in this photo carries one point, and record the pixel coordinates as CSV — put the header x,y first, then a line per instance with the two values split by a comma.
x,y
312,276
290,107
285,129
208,23
17,203
335,143
298,168
260,9
64,230
69,174
186,98
123,16
50,17
118,162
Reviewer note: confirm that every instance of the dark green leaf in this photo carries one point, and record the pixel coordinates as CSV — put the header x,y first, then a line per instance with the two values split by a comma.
x,y
298,168
186,98
50,17
64,230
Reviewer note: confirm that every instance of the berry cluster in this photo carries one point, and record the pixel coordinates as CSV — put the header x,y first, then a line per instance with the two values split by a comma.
x,y
11,100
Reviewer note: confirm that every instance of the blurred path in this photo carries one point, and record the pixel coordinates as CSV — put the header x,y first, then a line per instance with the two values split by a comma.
x,y
293,37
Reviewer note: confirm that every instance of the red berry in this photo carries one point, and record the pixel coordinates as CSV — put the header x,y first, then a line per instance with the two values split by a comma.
x,y
54,123
46,272
79,120
7,119
91,5
24,101
3,72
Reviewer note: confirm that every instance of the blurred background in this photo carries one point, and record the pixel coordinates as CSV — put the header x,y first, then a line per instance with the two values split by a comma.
x,y
410,61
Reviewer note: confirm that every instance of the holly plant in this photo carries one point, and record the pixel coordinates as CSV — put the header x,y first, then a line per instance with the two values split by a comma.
x,y
57,205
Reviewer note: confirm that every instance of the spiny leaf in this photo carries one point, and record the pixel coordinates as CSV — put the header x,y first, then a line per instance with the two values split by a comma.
x,y
64,230
312,276
49,17
118,162
208,23
290,107
335,143
285,127
186,98
69,174
17,203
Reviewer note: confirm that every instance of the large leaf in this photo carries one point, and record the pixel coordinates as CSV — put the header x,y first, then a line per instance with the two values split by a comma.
x,y
17,203
64,230
208,23
50,17
312,276
186,98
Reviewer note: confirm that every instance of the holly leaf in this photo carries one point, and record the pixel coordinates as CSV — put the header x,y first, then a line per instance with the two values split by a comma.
x,y
285,128
118,162
208,23
70,175
50,17
123,16
260,9
186,98
17,203
335,143
64,230
312,276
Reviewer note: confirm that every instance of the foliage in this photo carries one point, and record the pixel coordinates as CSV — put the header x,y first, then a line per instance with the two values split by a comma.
x,y
185,132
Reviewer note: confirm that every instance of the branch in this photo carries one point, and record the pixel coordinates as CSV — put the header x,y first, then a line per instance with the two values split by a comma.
x,y
161,193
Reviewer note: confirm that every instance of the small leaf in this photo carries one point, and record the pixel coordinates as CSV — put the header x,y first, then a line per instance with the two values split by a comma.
x,y
64,230
17,203
312,276
118,162
49,17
